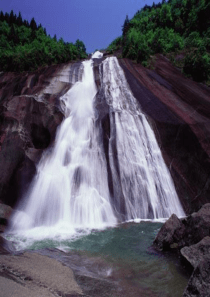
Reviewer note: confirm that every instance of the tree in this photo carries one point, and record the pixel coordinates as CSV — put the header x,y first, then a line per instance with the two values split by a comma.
x,y
33,24
80,46
13,37
6,17
26,23
1,16
19,20
125,26
11,17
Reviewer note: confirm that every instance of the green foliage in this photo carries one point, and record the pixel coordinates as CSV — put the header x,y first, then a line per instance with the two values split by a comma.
x,y
136,46
197,65
115,45
81,48
166,40
25,46
169,27
125,26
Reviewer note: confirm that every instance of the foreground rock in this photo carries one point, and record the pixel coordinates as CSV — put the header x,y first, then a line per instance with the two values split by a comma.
x,y
35,275
199,283
190,236
177,233
198,255
171,234
198,252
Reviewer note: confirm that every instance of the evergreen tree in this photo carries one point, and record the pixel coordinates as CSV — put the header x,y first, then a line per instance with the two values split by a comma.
x,y
80,46
125,26
6,17
13,36
11,17
33,24
19,20
1,16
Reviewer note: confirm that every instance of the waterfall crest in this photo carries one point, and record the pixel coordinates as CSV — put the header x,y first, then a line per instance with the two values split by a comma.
x,y
72,186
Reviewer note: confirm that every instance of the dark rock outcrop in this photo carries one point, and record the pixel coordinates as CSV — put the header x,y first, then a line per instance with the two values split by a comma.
x,y
179,111
5,212
29,115
199,283
171,234
196,253
190,236
177,233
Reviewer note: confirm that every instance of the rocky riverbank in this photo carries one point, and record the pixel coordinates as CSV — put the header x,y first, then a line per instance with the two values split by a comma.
x,y
190,238
52,273
31,274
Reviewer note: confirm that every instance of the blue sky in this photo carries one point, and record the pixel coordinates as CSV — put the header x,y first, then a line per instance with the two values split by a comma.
x,y
96,22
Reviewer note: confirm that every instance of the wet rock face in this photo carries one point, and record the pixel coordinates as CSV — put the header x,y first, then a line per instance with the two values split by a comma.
x,y
177,233
30,112
196,253
5,212
190,236
199,283
177,108
170,234
179,112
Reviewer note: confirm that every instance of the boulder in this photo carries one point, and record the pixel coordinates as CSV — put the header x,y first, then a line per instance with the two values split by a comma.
x,y
199,283
197,225
192,236
171,234
196,253
177,233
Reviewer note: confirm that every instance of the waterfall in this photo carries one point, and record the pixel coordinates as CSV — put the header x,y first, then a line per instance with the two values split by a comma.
x,y
82,183
146,188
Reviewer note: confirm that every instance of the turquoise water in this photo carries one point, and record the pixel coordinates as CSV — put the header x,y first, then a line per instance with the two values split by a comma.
x,y
123,256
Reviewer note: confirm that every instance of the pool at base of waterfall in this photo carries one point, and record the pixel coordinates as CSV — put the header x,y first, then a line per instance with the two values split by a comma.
x,y
116,261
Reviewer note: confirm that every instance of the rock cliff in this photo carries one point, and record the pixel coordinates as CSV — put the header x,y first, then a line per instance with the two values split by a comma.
x,y
29,115
177,108
179,111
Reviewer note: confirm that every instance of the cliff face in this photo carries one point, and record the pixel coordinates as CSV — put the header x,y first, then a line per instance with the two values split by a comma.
x,y
179,111
29,115
177,108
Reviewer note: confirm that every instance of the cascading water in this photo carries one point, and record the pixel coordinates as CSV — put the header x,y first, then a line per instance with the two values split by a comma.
x,y
146,188
72,188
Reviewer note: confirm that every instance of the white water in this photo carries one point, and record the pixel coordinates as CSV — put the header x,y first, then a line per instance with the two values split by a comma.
x,y
146,182
70,190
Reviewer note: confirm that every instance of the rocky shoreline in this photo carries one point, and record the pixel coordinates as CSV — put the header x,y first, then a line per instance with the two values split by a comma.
x,y
31,274
190,239
50,273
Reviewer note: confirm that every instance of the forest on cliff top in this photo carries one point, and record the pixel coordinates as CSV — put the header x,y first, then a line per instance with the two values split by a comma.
x,y
26,46
179,29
